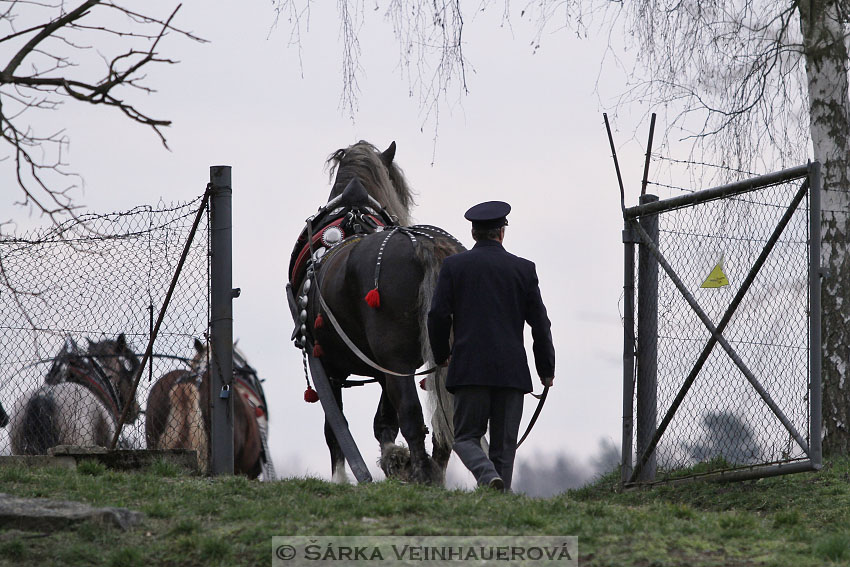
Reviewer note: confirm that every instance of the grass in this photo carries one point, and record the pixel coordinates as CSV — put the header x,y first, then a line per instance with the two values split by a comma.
x,y
796,520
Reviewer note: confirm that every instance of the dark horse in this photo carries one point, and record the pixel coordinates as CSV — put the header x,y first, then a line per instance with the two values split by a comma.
x,y
178,415
81,400
378,288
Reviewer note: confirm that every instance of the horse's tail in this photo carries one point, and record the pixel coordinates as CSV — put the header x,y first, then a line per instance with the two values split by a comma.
x,y
431,254
38,429
184,428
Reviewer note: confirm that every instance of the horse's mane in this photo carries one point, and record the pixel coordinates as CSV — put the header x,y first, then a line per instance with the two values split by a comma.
x,y
386,183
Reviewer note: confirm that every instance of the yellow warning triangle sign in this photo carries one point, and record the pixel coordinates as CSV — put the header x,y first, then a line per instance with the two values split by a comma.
x,y
716,278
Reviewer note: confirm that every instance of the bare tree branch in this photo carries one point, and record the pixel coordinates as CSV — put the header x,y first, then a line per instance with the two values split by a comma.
x,y
52,63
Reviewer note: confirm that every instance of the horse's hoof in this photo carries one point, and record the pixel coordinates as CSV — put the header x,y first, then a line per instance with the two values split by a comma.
x,y
422,475
428,473
395,462
339,475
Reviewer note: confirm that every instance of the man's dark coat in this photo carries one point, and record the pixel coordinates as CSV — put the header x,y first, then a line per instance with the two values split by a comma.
x,y
488,295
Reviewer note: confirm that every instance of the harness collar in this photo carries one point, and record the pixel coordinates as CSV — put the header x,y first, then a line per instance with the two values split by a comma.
x,y
328,230
94,378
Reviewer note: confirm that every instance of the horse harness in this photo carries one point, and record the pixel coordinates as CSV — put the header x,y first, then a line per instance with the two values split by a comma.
x,y
351,213
92,376
247,380
362,219
343,221
249,386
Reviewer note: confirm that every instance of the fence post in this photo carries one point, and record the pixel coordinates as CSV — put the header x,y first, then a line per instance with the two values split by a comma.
x,y
815,352
628,351
221,321
647,357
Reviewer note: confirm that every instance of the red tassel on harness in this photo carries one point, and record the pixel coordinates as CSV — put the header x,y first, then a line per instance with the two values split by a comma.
x,y
423,384
310,395
317,350
373,298
320,322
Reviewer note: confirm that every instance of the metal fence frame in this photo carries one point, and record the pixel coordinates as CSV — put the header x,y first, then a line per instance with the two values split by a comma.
x,y
641,227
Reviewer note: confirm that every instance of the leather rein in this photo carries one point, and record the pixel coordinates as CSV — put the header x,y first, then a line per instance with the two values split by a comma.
x,y
541,399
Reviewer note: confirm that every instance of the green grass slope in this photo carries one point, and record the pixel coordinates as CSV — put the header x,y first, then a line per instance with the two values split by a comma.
x,y
796,520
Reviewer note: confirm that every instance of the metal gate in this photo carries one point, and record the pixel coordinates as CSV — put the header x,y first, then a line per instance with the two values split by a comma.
x,y
721,366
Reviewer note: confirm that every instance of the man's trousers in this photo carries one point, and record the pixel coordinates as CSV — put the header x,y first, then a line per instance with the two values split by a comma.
x,y
475,406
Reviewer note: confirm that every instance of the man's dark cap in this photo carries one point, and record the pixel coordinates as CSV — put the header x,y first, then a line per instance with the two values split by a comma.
x,y
491,214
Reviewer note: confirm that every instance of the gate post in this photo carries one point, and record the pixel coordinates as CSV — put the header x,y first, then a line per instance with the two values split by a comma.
x,y
815,329
647,350
628,351
221,321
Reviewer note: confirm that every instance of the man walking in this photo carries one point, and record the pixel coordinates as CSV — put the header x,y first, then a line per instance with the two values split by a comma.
x,y
486,295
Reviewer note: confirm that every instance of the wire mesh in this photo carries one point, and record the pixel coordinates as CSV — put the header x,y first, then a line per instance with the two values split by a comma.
x,y
723,423
100,280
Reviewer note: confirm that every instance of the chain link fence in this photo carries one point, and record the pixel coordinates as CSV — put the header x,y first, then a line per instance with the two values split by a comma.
x,y
78,305
727,329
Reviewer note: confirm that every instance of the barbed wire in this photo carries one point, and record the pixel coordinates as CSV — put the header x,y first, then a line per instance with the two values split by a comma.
x,y
666,186
673,232
60,233
703,164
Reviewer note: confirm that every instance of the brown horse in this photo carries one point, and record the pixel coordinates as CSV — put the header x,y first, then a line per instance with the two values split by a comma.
x,y
177,414
377,283
178,417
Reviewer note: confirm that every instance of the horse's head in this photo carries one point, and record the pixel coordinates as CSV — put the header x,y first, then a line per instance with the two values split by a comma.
x,y
378,173
120,365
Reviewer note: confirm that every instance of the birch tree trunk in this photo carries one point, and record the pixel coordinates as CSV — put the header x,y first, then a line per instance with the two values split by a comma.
x,y
826,71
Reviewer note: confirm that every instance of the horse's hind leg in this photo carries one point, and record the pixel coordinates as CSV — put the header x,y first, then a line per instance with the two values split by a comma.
x,y
338,473
402,393
441,454
35,425
385,424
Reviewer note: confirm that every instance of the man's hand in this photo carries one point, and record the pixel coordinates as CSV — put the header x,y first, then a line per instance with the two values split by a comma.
x,y
548,382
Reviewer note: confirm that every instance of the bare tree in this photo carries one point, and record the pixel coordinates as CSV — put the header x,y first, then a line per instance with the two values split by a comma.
x,y
726,436
430,44
753,84
95,52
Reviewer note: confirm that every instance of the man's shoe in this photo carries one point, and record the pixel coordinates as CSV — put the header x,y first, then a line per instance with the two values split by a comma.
x,y
497,484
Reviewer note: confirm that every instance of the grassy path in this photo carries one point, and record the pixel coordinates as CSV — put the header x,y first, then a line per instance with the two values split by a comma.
x,y
798,520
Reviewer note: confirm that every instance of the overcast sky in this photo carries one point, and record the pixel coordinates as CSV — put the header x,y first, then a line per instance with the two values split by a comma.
x,y
529,132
